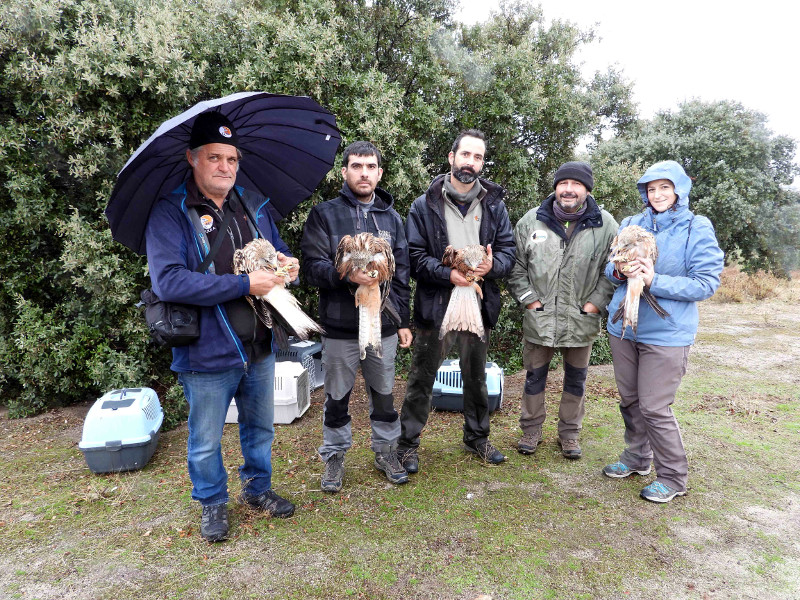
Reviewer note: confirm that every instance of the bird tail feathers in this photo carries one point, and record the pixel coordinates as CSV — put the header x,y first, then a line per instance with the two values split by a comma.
x,y
368,301
463,313
295,321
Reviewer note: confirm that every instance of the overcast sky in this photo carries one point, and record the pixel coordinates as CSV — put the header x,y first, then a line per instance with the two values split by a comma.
x,y
680,50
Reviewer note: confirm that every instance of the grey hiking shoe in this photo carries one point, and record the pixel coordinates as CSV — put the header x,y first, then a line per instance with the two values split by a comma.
x,y
486,452
333,475
409,459
528,443
214,523
388,463
570,448
270,503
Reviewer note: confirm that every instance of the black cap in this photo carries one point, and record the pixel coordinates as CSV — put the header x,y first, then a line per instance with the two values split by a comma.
x,y
213,128
577,170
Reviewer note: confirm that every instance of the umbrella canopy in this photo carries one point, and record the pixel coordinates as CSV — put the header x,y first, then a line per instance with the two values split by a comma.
x,y
288,144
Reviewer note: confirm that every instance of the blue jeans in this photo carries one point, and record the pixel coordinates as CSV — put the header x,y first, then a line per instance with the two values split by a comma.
x,y
209,395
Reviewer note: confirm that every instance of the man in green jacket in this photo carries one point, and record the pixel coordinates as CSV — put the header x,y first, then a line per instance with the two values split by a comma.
x,y
562,250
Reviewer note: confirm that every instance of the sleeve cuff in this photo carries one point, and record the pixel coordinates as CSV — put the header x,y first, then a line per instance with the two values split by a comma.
x,y
619,276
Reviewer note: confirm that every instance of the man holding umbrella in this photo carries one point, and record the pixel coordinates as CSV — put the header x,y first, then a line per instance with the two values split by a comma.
x,y
232,357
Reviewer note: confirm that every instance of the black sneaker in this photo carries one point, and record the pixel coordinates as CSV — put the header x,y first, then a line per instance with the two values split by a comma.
x,y
409,459
214,523
487,452
388,463
333,475
270,503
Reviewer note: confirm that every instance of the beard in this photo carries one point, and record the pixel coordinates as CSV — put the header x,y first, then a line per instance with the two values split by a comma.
x,y
569,202
464,174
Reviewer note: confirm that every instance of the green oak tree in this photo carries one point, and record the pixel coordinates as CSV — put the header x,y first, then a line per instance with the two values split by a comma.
x,y
83,83
741,175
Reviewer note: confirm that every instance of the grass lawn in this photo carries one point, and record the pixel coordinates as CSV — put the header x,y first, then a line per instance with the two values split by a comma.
x,y
536,527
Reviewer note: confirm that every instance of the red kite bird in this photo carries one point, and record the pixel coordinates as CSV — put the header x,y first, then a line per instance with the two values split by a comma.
x,y
630,243
277,309
464,309
372,255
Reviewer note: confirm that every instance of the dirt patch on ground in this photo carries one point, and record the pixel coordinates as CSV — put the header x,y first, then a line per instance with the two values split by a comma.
x,y
750,340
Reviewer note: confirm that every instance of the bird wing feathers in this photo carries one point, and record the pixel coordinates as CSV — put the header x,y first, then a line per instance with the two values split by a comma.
x,y
278,308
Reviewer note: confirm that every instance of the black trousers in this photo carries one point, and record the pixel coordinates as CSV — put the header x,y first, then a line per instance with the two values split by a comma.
x,y
429,352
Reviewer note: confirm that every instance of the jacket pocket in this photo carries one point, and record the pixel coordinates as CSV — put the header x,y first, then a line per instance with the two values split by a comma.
x,y
428,303
586,327
538,325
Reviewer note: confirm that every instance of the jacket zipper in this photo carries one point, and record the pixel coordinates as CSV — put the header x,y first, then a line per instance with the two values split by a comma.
x,y
555,300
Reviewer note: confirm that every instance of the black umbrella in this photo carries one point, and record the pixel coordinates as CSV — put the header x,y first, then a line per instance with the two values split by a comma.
x,y
289,143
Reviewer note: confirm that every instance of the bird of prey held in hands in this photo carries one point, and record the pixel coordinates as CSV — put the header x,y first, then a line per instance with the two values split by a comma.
x,y
372,255
464,309
278,308
634,242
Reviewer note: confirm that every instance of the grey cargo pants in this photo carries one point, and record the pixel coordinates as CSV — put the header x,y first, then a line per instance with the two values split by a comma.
x,y
648,377
342,360
536,360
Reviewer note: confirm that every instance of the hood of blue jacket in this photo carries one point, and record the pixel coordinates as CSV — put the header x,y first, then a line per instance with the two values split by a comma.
x,y
667,169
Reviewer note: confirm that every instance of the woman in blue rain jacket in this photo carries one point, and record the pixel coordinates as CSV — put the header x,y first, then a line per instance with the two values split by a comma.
x,y
650,363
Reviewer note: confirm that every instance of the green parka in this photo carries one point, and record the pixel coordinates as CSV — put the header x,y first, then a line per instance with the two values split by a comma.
x,y
562,274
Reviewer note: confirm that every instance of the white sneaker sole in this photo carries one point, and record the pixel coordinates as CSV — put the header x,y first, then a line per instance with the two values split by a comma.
x,y
662,500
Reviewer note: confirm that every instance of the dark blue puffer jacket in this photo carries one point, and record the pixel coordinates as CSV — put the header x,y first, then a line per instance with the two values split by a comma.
x,y
174,251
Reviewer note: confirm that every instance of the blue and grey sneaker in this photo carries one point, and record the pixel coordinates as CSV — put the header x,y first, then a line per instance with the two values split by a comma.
x,y
659,492
619,470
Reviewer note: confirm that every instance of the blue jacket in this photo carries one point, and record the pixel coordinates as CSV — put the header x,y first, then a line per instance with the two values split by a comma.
x,y
687,268
426,231
174,251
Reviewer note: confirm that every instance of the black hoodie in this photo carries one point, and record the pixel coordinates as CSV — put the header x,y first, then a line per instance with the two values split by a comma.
x,y
327,223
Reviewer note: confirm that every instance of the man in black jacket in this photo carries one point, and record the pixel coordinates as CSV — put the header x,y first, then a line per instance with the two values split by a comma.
x,y
458,209
360,207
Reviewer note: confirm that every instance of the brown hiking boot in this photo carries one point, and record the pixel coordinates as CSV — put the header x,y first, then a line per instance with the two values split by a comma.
x,y
529,441
570,448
